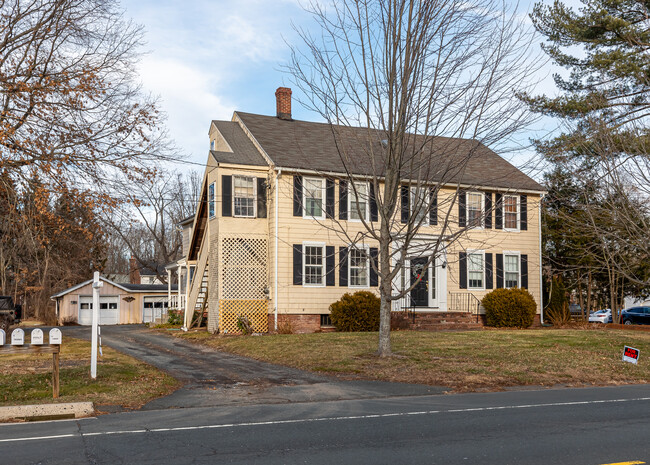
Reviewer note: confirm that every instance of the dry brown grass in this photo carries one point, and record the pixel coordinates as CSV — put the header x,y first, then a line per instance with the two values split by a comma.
x,y
462,361
121,380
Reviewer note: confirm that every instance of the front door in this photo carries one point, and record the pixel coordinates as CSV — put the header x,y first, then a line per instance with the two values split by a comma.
x,y
420,293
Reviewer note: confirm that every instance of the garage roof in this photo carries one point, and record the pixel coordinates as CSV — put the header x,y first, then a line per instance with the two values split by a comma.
x,y
124,286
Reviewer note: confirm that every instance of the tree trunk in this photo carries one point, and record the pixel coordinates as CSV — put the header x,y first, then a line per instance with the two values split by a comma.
x,y
589,283
385,292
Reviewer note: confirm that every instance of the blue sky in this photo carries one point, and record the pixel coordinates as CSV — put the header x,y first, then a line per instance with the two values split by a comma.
x,y
206,59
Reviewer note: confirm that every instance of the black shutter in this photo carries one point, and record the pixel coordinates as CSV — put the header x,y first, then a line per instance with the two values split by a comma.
x,y
462,212
330,264
498,212
499,271
374,214
433,206
524,271
343,200
523,221
297,264
329,198
462,266
489,282
226,195
488,210
261,197
404,194
297,196
343,266
374,263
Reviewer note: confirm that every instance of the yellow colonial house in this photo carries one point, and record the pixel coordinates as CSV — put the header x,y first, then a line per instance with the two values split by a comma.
x,y
271,237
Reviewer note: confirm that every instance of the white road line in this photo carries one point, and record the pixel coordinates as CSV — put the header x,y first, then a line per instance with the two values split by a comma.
x,y
312,420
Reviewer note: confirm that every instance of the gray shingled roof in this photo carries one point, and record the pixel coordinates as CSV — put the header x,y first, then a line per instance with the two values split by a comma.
x,y
315,146
243,152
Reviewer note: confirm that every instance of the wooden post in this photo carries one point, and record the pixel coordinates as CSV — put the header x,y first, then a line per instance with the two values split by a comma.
x,y
55,375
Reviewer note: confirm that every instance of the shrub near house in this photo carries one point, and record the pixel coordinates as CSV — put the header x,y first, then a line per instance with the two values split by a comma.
x,y
509,308
356,312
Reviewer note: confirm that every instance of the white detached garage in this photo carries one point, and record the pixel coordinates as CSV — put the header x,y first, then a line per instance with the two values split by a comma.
x,y
119,303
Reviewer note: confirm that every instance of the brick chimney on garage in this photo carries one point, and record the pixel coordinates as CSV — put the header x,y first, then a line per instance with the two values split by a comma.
x,y
134,271
283,103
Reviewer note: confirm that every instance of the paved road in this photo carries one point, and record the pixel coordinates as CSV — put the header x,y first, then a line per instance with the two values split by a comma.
x,y
578,426
213,378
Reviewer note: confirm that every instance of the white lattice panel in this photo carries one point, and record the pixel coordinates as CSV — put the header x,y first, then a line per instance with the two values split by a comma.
x,y
244,272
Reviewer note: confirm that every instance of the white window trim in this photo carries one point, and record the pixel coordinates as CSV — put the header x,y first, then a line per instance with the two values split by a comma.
x,y
482,214
503,212
427,206
476,252
367,249
212,202
254,196
518,254
304,263
351,196
304,198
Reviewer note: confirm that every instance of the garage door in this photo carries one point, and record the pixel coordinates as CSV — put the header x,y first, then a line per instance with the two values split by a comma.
x,y
155,309
109,311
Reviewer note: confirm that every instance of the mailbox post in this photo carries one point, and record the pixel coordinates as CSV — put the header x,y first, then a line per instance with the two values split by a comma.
x,y
97,285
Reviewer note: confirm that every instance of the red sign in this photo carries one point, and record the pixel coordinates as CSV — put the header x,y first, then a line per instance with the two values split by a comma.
x,y
630,354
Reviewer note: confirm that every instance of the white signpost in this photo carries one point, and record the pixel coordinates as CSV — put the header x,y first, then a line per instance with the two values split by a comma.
x,y
97,285
17,337
37,337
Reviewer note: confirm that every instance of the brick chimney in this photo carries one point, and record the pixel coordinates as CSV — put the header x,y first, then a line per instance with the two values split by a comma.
x,y
134,271
283,103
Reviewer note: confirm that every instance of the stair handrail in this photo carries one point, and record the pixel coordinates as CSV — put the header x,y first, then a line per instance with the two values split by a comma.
x,y
196,284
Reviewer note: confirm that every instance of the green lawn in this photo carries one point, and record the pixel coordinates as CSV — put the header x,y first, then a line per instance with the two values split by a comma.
x,y
121,380
463,361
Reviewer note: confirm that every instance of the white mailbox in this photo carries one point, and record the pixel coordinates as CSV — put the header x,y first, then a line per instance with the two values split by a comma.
x,y
55,336
3,337
17,337
37,337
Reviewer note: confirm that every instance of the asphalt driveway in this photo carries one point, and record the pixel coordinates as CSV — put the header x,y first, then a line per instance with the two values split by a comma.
x,y
214,378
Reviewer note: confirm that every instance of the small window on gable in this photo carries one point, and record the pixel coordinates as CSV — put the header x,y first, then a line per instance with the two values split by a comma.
x,y
212,144
475,209
475,270
313,196
244,196
510,212
211,206
358,201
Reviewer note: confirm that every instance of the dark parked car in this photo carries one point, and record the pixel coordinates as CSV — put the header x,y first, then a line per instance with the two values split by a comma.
x,y
636,316
575,309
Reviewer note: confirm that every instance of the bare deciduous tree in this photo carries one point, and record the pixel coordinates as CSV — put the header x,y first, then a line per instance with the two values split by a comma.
x,y
433,82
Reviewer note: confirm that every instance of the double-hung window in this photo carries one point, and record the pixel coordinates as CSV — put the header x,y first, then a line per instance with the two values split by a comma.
x,y
475,209
314,265
313,195
211,206
244,196
358,199
511,270
358,267
510,212
475,270
419,203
